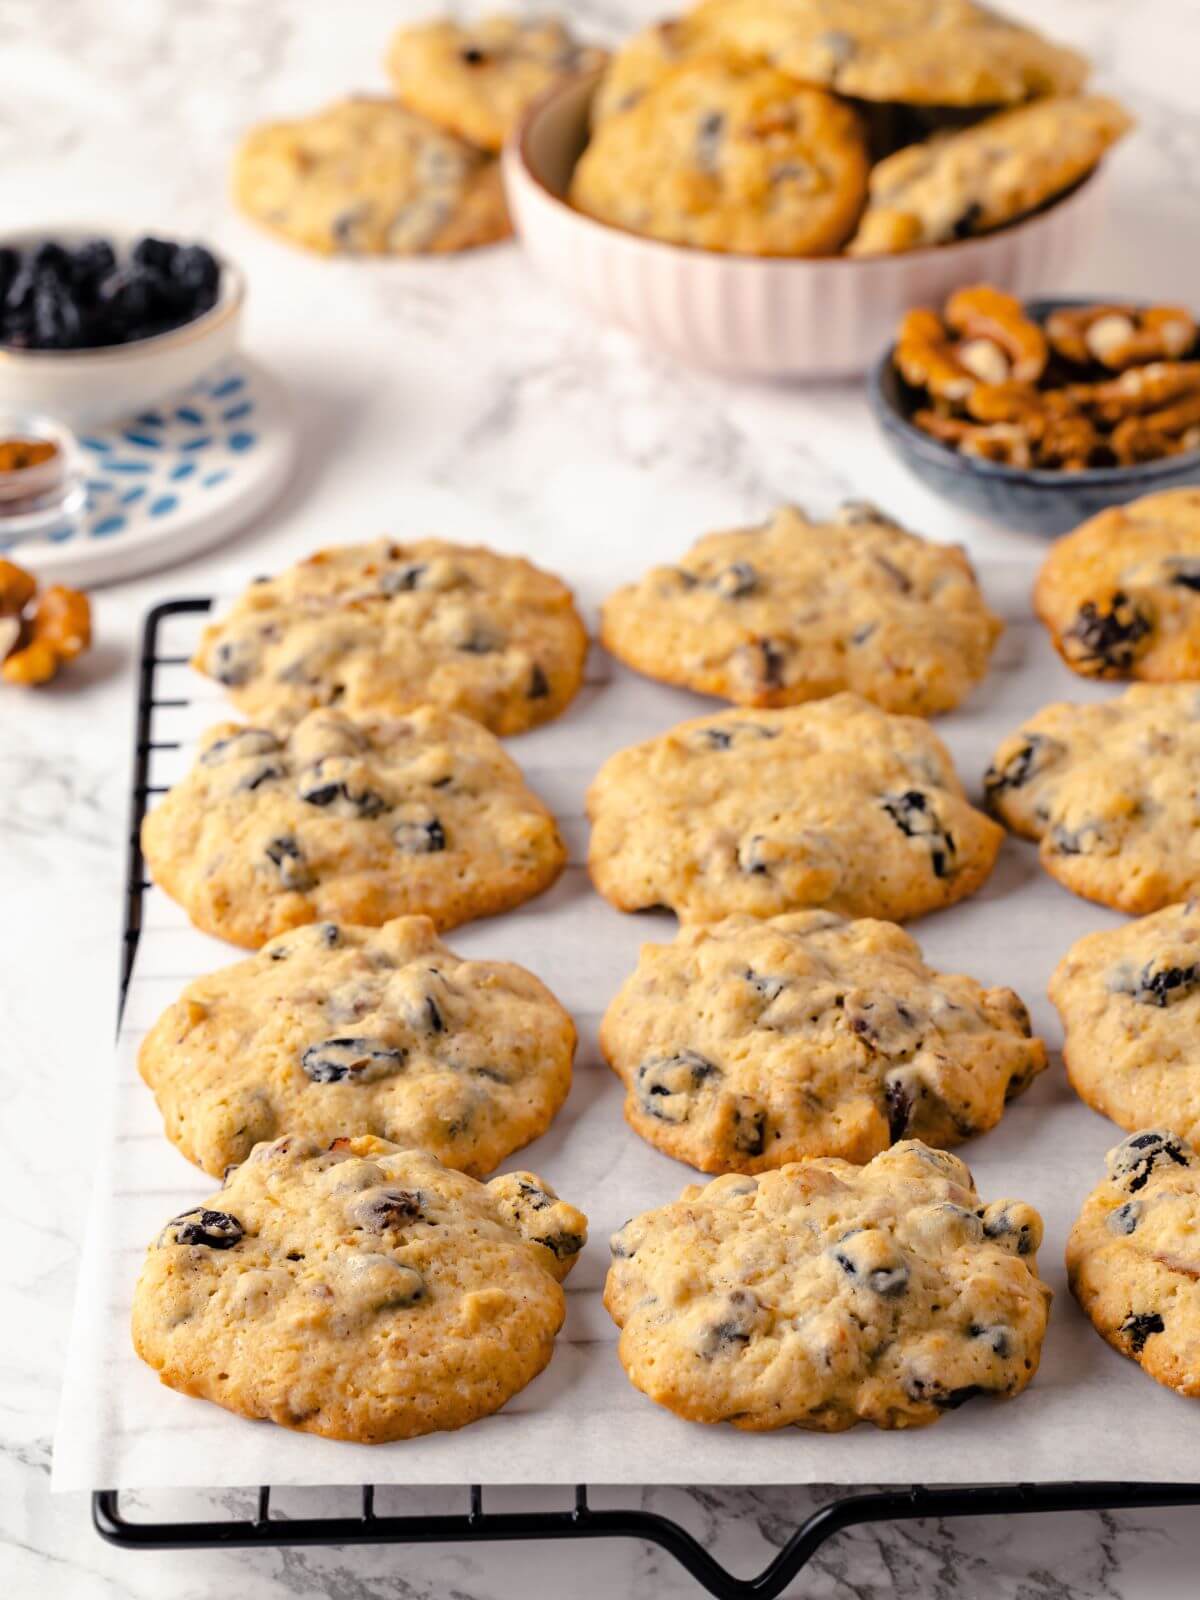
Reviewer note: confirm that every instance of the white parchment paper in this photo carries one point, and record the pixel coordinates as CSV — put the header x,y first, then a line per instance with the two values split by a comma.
x,y
1090,1414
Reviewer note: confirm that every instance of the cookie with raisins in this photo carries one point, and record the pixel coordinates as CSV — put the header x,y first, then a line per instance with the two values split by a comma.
x,y
1133,1257
825,1294
747,1044
357,1290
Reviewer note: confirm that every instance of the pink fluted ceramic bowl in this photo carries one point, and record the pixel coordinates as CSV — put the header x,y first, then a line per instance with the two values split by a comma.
x,y
820,317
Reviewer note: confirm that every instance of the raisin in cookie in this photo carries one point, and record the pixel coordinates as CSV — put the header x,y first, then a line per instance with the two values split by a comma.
x,y
366,177
342,1030
747,1044
795,609
385,627
477,78
729,157
358,1290
825,1294
1129,999
1133,1257
915,52
1121,595
970,180
834,804
345,821
1109,791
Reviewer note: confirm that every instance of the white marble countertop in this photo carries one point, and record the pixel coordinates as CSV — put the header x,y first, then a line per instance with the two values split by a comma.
x,y
455,396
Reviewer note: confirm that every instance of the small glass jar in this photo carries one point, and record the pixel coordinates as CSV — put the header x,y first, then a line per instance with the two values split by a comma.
x,y
43,497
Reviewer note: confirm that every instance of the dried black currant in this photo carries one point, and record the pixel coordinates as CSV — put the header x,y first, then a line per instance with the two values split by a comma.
x,y
996,1337
899,1103
1125,1218
539,684
1135,1158
286,854
216,1230
736,581
749,1129
402,580
238,746
1166,985
359,1060
666,1084
419,838
1036,754
317,790
735,1328
380,1209
1138,1327
916,817
1107,641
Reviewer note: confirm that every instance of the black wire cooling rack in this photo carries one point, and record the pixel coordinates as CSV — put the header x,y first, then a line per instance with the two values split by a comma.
x,y
475,1524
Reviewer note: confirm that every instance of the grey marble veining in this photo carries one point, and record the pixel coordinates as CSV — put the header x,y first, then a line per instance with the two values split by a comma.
x,y
460,397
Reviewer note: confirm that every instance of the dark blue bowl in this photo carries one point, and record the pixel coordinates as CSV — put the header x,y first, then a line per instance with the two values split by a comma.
x,y
1028,499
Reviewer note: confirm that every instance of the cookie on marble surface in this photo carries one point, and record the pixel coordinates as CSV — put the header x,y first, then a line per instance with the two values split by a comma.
x,y
1109,791
477,78
826,1294
367,177
383,627
358,1290
1129,999
1121,595
797,609
344,821
1133,1257
723,156
748,1044
970,180
334,1030
915,52
835,804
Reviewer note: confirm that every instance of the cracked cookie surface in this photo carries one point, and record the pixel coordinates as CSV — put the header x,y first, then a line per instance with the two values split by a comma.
x,y
1133,1257
825,1294
344,821
478,78
1108,791
1129,999
345,1030
358,1290
795,609
834,805
747,1044
1121,595
722,156
385,627
366,177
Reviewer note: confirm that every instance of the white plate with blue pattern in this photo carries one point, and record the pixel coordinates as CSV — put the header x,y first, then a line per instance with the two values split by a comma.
x,y
171,481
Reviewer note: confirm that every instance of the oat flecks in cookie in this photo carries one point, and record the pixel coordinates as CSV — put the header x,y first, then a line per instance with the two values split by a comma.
x,y
478,78
1121,595
912,52
797,609
383,627
357,1290
835,804
344,821
748,1044
333,1030
1129,999
367,177
1109,791
728,157
826,1294
1133,1256
960,183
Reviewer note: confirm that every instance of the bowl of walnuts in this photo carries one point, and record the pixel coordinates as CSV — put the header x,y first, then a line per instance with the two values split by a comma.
x,y
1039,415
763,189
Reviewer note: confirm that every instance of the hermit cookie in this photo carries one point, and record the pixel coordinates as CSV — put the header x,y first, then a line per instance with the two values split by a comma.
x,y
1121,595
1133,1257
331,1030
1129,999
797,609
358,1290
339,821
1110,792
974,179
915,52
366,177
747,1044
825,1294
385,627
835,804
477,78
729,157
